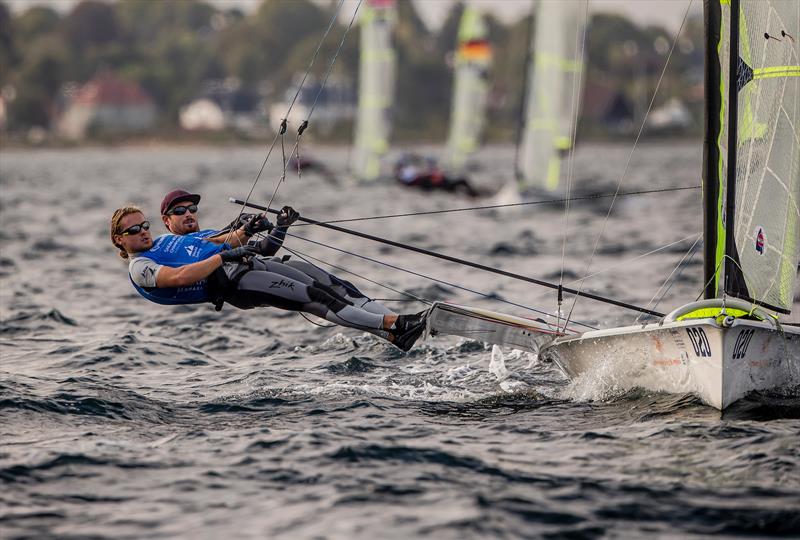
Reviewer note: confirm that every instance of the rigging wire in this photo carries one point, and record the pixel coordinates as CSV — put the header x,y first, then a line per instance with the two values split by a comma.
x,y
418,274
626,262
580,38
282,129
463,262
304,125
496,206
669,281
634,259
630,155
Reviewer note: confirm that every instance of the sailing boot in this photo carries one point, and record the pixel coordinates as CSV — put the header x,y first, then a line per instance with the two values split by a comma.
x,y
408,328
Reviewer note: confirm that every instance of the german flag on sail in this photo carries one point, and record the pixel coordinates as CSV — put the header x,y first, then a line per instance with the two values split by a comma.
x,y
477,50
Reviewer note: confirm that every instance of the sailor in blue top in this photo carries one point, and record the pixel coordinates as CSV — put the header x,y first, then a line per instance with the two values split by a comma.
x,y
179,211
184,269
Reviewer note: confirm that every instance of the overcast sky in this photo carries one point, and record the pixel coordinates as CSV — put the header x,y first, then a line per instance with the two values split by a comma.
x,y
667,13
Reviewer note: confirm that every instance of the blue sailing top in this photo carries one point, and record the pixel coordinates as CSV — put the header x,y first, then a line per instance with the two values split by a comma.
x,y
174,251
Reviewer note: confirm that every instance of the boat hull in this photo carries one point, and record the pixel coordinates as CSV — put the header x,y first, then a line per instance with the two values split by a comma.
x,y
719,364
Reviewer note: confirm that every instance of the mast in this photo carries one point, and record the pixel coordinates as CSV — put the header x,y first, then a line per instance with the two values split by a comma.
x,y
730,190
722,272
712,18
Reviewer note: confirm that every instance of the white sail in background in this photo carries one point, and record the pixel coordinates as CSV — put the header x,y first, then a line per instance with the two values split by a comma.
x,y
766,211
471,88
553,92
375,88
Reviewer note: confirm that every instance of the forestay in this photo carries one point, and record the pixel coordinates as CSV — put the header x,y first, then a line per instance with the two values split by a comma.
x,y
765,152
375,88
471,88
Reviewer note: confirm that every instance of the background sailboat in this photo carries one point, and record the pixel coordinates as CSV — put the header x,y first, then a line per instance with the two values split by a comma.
x,y
553,97
732,342
470,90
375,88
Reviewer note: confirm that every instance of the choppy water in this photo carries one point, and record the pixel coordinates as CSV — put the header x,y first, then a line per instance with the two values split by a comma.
x,y
128,420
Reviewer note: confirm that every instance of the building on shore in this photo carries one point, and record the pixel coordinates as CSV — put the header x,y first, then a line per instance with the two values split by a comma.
x,y
224,105
107,104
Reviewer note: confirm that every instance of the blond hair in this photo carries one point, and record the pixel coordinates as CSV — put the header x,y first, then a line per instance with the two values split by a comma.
x,y
116,219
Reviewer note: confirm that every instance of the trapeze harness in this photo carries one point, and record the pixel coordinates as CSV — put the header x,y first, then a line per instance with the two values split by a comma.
x,y
262,282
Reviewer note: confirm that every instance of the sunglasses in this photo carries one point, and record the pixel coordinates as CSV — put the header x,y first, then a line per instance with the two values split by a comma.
x,y
180,210
136,229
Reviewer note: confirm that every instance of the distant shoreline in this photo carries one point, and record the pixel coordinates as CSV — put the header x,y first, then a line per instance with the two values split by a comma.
x,y
18,143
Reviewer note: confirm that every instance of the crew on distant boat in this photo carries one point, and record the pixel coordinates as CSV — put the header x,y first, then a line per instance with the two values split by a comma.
x,y
197,266
414,171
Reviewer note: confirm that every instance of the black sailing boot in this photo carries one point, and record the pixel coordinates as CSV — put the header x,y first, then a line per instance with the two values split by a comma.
x,y
408,328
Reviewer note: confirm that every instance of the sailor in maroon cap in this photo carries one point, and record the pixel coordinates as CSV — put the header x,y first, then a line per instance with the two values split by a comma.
x,y
201,266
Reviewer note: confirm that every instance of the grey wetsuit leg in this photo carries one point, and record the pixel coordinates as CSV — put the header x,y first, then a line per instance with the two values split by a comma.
x,y
350,292
262,288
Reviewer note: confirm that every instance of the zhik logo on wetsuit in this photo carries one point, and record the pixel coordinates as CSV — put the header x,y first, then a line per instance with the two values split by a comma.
x,y
282,283
147,272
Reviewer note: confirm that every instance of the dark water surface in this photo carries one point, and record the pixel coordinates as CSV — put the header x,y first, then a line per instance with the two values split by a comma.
x,y
122,419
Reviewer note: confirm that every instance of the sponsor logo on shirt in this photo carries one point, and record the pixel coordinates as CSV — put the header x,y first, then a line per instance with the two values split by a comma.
x,y
147,273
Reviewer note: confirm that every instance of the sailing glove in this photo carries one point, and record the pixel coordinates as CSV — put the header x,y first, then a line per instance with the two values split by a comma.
x,y
238,254
258,224
287,216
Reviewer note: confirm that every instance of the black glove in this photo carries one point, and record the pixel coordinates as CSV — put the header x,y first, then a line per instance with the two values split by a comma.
x,y
238,254
240,221
258,224
287,216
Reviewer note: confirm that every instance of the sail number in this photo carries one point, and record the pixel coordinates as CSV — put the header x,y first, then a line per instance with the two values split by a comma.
x,y
742,342
699,342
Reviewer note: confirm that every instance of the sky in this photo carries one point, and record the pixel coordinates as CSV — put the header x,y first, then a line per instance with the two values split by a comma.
x,y
667,13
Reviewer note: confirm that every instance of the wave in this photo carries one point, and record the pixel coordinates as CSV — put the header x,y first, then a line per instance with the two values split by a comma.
x,y
35,321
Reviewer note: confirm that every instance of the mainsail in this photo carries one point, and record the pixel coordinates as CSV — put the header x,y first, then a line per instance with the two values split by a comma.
x,y
375,88
752,162
471,89
553,93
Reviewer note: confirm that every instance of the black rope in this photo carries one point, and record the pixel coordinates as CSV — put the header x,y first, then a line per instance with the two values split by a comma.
x,y
492,206
315,323
458,261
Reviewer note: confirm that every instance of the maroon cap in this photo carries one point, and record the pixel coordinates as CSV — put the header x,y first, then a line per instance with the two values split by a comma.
x,y
176,196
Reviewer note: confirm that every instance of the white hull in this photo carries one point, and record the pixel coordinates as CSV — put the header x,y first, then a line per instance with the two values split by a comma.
x,y
720,365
